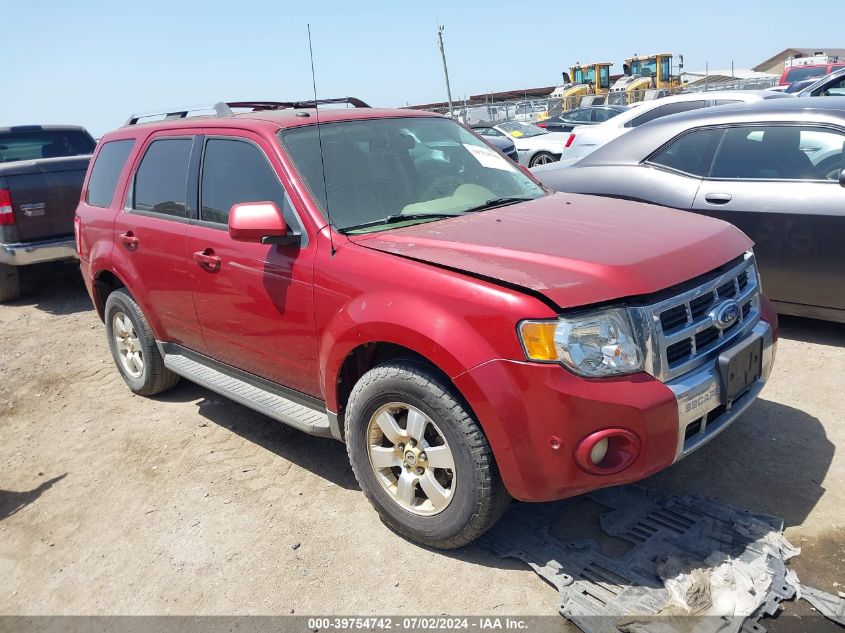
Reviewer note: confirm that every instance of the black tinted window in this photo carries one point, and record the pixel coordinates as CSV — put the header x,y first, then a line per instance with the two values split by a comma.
x,y
233,172
161,181
106,171
691,153
666,110
782,152
35,144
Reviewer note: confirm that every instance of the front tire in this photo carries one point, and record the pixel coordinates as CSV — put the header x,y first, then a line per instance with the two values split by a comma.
x,y
542,158
10,283
133,347
420,457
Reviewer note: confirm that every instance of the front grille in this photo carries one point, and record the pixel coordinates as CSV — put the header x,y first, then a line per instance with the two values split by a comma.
x,y
681,330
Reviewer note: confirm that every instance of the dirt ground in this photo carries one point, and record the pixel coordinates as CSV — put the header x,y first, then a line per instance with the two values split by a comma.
x,y
188,503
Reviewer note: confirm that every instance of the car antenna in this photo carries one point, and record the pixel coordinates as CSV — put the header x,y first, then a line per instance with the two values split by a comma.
x,y
320,141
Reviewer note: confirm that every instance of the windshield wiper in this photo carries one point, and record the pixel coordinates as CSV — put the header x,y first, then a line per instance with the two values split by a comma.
x,y
399,217
498,202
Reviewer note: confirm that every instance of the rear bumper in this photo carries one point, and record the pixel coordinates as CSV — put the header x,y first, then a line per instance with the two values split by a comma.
x,y
536,415
25,253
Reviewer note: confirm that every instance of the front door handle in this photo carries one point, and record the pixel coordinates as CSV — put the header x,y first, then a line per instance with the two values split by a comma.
x,y
129,240
208,260
718,198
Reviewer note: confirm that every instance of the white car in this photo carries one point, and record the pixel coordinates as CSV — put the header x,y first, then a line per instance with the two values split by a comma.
x,y
585,139
534,146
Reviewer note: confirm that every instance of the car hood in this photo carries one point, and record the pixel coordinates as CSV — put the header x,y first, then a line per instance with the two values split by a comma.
x,y
573,249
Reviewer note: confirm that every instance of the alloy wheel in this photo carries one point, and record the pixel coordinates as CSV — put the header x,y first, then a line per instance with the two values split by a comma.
x,y
128,346
411,459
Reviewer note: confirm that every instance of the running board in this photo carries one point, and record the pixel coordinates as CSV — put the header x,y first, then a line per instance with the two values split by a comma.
x,y
265,401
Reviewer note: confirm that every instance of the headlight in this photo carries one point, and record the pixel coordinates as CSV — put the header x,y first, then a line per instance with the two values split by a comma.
x,y
592,345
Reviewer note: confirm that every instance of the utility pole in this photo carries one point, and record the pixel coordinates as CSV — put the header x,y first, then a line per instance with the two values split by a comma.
x,y
445,68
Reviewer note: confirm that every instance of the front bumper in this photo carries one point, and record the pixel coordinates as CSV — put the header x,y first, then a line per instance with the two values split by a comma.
x,y
702,413
535,415
26,253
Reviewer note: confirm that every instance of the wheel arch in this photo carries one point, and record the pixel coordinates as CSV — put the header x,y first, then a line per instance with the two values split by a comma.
x,y
105,282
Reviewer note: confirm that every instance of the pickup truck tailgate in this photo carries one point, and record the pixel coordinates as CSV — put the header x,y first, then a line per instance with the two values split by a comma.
x,y
44,195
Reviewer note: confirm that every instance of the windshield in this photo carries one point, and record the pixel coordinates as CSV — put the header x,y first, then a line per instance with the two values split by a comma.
x,y
584,75
515,129
646,68
401,171
36,144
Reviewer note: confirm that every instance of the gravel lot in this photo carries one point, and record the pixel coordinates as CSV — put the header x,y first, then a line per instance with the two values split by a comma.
x,y
190,504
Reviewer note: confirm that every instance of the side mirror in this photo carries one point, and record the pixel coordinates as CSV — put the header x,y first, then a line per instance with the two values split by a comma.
x,y
842,177
260,222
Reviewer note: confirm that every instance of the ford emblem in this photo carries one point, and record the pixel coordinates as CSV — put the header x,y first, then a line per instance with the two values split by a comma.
x,y
725,314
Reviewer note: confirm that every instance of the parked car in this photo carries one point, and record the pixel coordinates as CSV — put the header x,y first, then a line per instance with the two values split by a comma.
x,y
534,145
41,173
389,280
831,85
583,140
580,116
771,168
500,142
528,111
808,71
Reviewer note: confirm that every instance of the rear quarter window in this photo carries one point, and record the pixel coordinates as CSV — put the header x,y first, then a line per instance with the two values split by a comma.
x,y
691,153
106,170
161,181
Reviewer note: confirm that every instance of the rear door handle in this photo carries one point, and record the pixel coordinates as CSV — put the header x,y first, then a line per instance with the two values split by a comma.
x,y
208,260
129,240
718,198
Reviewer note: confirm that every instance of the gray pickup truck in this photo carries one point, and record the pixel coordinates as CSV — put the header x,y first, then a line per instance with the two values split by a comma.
x,y
41,172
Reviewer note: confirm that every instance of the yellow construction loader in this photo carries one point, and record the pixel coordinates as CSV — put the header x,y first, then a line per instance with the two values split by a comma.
x,y
586,79
651,72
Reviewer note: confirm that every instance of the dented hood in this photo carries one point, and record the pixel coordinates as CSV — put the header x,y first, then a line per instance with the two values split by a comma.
x,y
573,249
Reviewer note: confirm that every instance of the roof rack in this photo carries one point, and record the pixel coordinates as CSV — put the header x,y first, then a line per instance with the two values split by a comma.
x,y
225,109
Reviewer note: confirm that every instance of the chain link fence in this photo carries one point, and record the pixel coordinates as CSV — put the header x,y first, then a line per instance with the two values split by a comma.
x,y
535,109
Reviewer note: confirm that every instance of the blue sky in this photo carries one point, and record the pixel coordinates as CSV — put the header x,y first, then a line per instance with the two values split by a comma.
x,y
93,63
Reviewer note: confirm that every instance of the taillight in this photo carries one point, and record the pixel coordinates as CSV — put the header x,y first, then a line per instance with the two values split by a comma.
x,y
7,216
569,140
541,124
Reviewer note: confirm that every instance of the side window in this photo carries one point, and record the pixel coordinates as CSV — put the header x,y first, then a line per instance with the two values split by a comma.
x,y
666,110
236,171
719,102
691,153
782,152
162,177
836,88
106,171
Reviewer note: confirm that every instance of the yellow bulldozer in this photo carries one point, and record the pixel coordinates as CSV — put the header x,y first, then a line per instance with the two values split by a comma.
x,y
642,73
587,79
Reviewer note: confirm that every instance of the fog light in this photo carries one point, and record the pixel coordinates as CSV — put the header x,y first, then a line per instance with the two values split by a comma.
x,y
607,451
599,451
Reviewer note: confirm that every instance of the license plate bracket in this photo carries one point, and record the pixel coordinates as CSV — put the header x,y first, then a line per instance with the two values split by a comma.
x,y
739,367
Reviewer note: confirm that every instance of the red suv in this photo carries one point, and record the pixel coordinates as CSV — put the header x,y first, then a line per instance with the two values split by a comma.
x,y
386,278
808,71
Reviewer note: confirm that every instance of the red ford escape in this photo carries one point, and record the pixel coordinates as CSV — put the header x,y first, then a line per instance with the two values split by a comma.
x,y
388,279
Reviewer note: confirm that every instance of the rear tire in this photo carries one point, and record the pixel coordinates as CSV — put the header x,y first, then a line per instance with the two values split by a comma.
x,y
445,498
10,283
133,347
